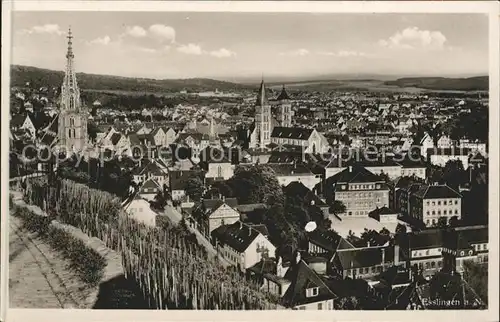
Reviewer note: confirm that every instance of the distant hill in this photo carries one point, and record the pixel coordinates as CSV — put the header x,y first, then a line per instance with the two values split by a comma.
x,y
442,83
39,77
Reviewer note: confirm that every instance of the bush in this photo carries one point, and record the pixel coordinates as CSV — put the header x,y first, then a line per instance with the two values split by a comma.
x,y
88,264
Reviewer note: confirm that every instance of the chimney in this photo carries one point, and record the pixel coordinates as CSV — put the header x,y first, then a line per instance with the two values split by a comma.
x,y
241,225
249,231
350,168
223,198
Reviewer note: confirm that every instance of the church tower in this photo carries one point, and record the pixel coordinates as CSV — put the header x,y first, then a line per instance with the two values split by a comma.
x,y
285,109
72,122
263,117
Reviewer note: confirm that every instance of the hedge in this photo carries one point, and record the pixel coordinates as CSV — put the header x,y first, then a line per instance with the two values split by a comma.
x,y
88,264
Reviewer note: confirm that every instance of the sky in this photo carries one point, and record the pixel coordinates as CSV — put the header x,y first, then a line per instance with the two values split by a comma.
x,y
229,45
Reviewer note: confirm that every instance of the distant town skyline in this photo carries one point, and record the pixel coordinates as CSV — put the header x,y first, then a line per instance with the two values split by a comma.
x,y
239,46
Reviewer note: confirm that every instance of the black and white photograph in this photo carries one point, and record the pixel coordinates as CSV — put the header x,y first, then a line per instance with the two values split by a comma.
x,y
238,160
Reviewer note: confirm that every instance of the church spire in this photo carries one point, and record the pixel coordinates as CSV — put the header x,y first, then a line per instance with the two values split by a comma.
x,y
261,96
70,93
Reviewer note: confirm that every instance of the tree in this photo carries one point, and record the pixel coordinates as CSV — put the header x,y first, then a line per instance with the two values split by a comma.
x,y
195,188
454,222
454,174
256,184
337,207
159,201
385,232
442,222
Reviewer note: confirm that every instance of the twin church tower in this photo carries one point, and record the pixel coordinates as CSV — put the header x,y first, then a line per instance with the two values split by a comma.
x,y
264,123
69,127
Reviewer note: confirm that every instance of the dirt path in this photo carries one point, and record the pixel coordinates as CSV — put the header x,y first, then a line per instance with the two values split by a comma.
x,y
39,278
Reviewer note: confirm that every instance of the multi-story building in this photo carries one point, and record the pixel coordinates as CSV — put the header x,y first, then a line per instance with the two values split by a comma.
x,y
359,190
243,245
429,249
430,202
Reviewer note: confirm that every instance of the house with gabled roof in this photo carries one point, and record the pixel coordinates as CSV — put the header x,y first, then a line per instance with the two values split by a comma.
x,y
358,189
308,290
298,189
287,173
150,169
365,262
326,243
23,122
213,213
149,189
309,140
140,209
243,245
217,162
178,180
428,203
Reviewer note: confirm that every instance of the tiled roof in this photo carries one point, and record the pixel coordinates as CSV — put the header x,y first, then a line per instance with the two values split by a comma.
x,y
150,184
134,139
250,207
265,266
426,239
328,240
295,133
437,192
365,257
212,204
283,95
115,138
17,120
303,277
260,228
296,188
474,234
284,157
355,174
289,169
178,179
238,236
149,167
382,211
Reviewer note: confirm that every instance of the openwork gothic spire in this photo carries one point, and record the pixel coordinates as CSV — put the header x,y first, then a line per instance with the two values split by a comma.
x,y
70,93
261,95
